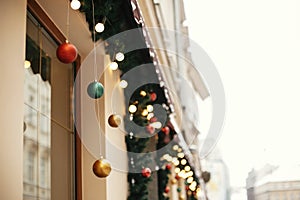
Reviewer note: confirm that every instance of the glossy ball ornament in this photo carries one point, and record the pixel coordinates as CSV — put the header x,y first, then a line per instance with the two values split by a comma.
x,y
167,189
168,166
101,168
166,130
181,197
146,172
114,121
66,53
153,119
153,96
150,129
173,181
177,177
167,140
95,90
179,189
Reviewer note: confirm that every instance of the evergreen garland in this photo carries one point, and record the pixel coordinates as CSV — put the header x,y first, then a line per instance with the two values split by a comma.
x,y
118,17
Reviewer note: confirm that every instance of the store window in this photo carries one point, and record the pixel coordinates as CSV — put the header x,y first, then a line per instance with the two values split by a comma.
x,y
48,126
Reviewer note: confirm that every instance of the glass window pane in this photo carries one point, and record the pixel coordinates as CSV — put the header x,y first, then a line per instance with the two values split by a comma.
x,y
48,133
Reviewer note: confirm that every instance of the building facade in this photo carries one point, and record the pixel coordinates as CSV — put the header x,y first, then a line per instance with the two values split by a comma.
x,y
50,137
273,182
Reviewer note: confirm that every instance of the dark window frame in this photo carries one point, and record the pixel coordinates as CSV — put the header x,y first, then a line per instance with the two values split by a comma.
x,y
34,8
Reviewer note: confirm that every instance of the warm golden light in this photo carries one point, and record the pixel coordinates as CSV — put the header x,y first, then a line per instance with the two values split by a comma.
x,y
75,4
183,161
176,162
150,115
150,108
190,180
144,112
27,64
132,108
156,125
123,84
177,170
175,147
189,174
113,66
187,168
143,93
99,27
180,155
120,56
181,173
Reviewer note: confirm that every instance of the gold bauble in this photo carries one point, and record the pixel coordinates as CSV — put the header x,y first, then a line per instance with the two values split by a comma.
x,y
101,168
114,121
181,197
173,181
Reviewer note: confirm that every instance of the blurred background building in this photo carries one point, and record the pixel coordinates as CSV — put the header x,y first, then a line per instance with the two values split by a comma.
x,y
274,183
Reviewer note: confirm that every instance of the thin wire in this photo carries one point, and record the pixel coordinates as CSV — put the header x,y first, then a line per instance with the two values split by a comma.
x,y
68,20
95,70
94,41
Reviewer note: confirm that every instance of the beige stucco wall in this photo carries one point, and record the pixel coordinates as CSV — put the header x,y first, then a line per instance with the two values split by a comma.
x,y
112,102
12,54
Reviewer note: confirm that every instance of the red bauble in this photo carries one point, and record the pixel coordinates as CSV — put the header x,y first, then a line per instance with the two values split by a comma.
x,y
177,177
153,96
167,140
168,166
150,129
167,189
66,53
146,172
153,119
166,130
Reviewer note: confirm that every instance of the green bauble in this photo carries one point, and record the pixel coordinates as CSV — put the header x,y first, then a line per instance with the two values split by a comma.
x,y
95,90
178,189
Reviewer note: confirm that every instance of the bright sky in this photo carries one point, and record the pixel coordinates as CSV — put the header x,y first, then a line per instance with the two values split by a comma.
x,y
255,45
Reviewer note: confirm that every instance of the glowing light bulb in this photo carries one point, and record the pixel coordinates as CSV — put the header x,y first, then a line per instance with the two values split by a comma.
x,y
144,112
143,93
150,108
169,159
194,184
180,155
193,188
165,156
132,108
187,168
99,27
190,180
150,115
120,56
75,4
177,170
113,66
175,147
27,64
175,161
156,125
183,161
189,174
181,173
123,84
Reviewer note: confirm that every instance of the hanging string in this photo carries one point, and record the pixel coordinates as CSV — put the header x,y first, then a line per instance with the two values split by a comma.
x,y
68,21
94,41
95,69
